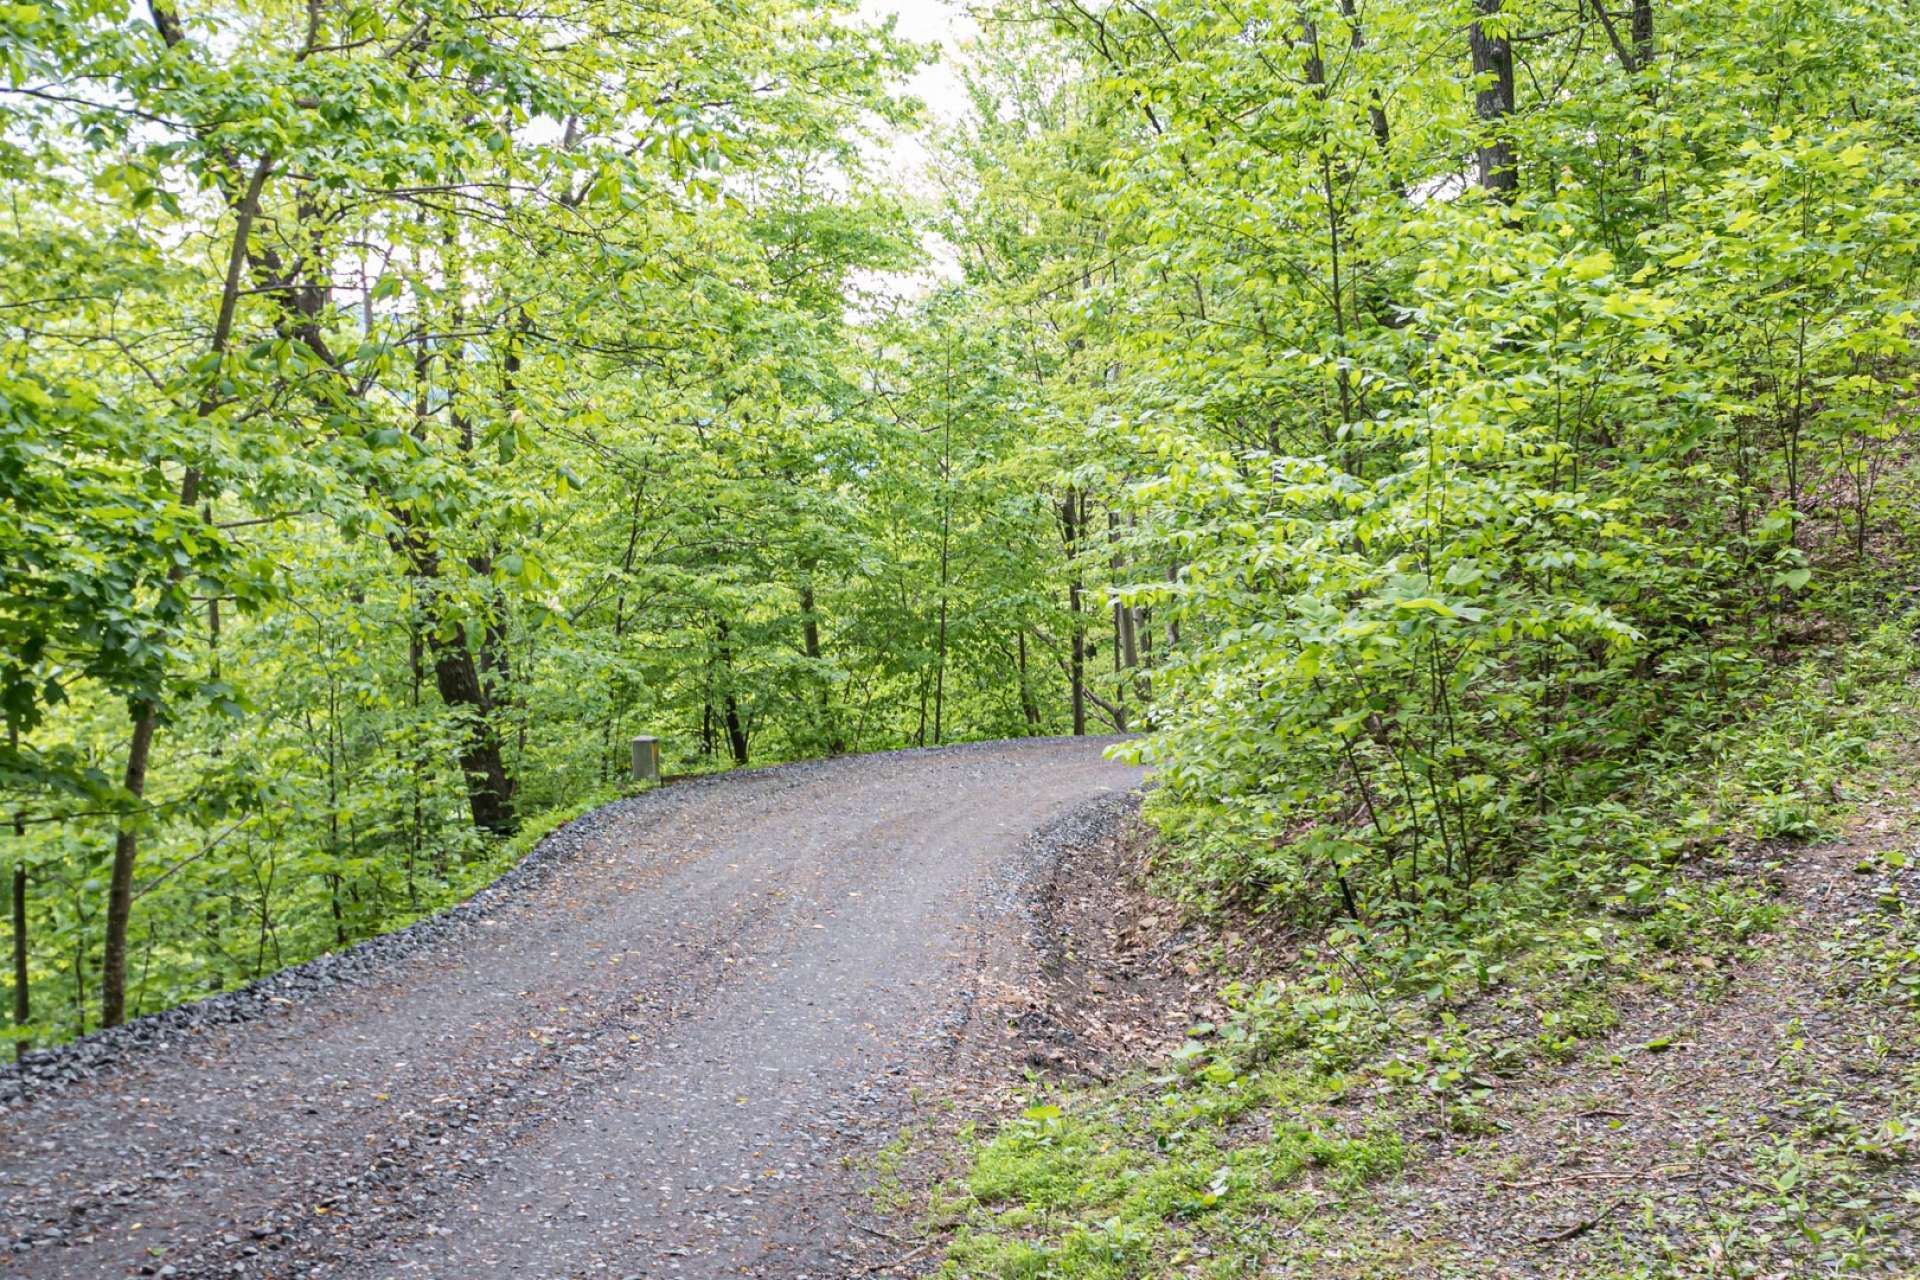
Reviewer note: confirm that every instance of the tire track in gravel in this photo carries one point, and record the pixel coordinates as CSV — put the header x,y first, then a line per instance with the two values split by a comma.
x,y
650,1059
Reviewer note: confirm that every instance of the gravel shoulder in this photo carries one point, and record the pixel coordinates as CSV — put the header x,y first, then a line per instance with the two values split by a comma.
x,y
657,1048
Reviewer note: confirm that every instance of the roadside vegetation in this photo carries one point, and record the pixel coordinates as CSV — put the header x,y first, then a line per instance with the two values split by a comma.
x,y
1686,1048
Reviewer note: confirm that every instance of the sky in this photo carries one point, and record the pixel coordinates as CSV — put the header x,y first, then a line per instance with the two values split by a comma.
x,y
940,22
905,157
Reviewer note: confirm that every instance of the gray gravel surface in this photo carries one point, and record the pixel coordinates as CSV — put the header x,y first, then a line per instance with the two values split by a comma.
x,y
650,1050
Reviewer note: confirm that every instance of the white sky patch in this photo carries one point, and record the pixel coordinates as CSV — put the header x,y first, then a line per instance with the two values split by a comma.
x,y
902,159
941,22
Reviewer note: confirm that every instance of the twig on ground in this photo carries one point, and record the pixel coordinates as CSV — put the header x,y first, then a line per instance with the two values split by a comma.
x,y
900,1261
1660,1171
1581,1227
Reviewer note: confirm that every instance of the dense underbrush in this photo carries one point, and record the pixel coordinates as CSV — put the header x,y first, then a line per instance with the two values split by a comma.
x,y
1414,1060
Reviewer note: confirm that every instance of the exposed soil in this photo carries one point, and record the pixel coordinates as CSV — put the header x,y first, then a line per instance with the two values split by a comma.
x,y
1696,1126
665,1046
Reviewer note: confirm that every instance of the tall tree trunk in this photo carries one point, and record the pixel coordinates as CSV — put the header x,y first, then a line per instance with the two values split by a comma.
x,y
126,849
126,842
810,639
22,997
456,674
946,547
1029,708
492,652
940,658
1493,101
736,732
730,706
706,720
617,690
1126,617
1072,517
1126,650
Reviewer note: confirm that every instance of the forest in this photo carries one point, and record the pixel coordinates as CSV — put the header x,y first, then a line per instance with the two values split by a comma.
x,y
1465,445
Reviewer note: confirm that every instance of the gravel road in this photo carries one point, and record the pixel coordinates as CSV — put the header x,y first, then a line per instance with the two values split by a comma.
x,y
650,1052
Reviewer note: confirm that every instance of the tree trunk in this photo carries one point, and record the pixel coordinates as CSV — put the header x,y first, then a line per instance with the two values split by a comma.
x,y
940,662
730,706
736,733
1493,99
126,848
22,996
810,639
946,547
456,675
1125,615
1126,652
126,842
1072,516
1028,707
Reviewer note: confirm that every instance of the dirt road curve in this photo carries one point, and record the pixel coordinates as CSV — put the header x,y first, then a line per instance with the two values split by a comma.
x,y
650,1058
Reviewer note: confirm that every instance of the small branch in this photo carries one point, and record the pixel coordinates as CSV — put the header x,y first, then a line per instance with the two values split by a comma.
x,y
1628,1175
1613,36
1581,1227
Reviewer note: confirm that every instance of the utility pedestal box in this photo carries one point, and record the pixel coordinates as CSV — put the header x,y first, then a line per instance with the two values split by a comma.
x,y
646,759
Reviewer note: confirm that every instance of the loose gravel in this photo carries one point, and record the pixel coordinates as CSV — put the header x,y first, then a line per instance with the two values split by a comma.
x,y
655,1047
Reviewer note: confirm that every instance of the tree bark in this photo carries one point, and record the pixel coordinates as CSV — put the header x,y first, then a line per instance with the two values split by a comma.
x,y
126,842
22,995
1028,707
810,639
1126,650
457,677
1498,167
736,732
946,556
126,849
456,674
1072,516
730,706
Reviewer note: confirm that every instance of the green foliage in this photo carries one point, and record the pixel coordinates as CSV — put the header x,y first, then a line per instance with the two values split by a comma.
x,y
1474,518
